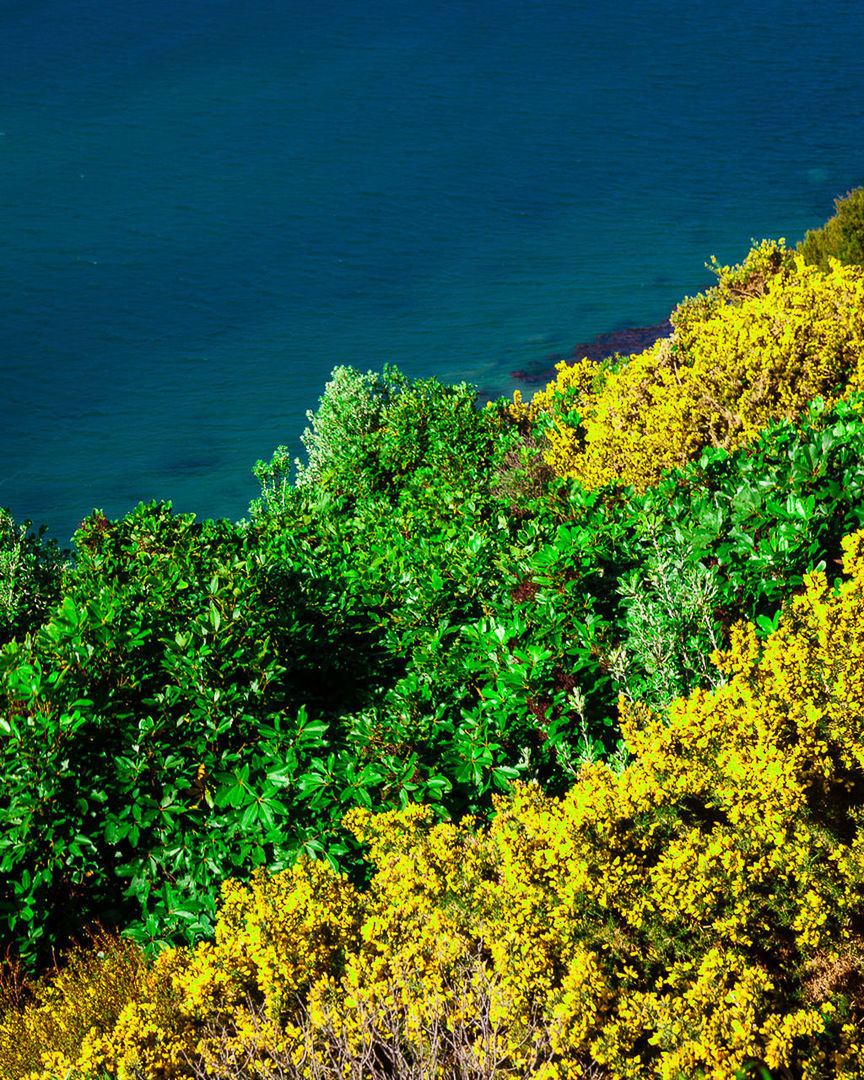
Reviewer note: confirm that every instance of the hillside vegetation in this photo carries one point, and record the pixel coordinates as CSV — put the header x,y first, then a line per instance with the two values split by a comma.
x,y
516,741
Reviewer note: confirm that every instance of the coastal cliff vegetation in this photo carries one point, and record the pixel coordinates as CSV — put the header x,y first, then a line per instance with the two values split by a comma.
x,y
515,741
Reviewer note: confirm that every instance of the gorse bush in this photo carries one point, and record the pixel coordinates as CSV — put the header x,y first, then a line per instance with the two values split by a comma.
x,y
773,334
695,914
65,1007
841,237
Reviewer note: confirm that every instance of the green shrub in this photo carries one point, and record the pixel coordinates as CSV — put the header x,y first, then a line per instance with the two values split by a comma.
x,y
841,237
30,576
169,724
376,434
339,442
207,699
670,621
505,618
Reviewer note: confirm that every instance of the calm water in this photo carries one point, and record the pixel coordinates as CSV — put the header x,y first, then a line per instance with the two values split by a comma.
x,y
206,206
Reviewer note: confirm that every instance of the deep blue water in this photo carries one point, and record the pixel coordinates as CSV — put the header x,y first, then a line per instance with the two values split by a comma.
x,y
206,206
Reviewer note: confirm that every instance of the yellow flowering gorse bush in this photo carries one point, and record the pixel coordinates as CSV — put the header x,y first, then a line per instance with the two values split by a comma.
x,y
699,911
757,348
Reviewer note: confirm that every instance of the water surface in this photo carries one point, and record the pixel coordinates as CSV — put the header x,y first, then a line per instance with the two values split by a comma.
x,y
206,206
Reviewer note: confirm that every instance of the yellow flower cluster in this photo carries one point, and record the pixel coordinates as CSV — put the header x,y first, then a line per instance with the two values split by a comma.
x,y
772,335
68,1017
701,910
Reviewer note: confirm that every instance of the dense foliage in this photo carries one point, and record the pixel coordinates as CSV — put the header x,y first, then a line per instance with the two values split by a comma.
x,y
484,642
696,912
210,698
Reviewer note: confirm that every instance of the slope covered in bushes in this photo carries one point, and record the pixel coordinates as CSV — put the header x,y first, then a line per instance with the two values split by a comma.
x,y
698,911
210,698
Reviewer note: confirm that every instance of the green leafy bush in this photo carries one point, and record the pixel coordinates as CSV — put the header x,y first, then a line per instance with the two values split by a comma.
x,y
841,237
204,700
508,619
168,724
374,435
339,442
30,576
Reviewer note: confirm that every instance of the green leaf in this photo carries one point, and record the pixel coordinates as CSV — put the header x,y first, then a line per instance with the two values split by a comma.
x,y
766,625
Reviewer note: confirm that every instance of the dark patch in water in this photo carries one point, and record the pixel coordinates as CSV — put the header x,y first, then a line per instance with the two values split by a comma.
x,y
185,466
631,339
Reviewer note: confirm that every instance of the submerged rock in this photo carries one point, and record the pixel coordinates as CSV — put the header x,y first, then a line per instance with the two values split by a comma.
x,y
631,339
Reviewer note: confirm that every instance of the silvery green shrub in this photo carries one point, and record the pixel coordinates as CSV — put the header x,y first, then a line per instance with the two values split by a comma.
x,y
30,569
671,627
349,412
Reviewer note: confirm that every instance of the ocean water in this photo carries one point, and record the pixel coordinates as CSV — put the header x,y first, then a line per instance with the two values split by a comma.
x,y
204,207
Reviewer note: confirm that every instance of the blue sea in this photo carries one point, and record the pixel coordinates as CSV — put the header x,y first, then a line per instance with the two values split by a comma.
x,y
205,207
